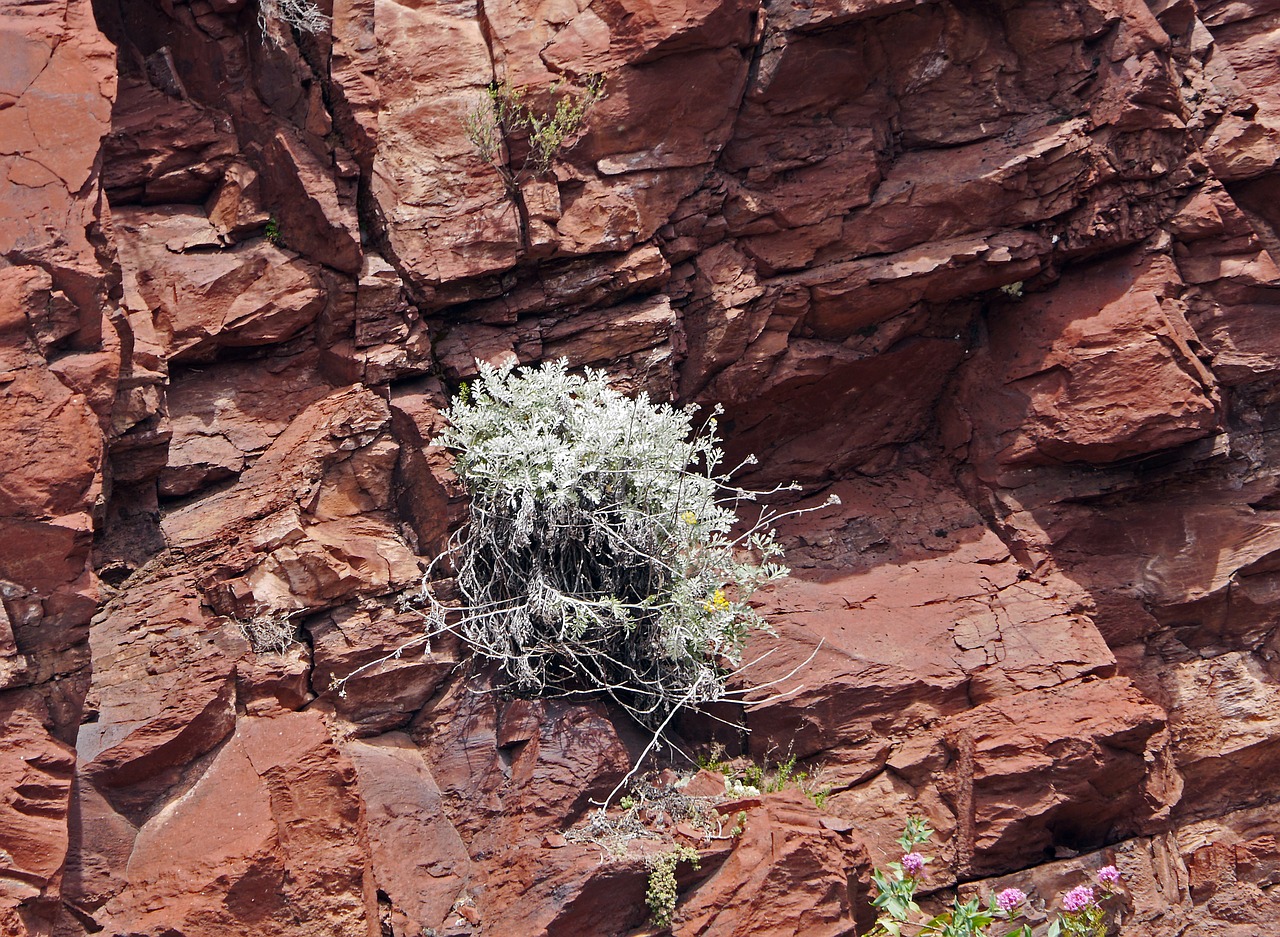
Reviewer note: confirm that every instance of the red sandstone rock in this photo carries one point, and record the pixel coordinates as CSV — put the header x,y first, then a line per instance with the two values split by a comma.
x,y
418,858
787,874
803,212
97,863
354,77
163,694
252,295
270,834
569,891
1101,370
430,183
935,617
1230,274
35,774
163,147
885,679
57,88
50,473
224,416
523,786
1085,751
398,670
429,495
58,384
315,531
705,784
316,214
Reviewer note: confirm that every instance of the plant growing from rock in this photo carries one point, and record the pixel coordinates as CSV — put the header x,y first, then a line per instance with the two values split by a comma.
x,y
603,553
650,812
271,631
661,894
505,124
763,778
506,114
302,15
1082,914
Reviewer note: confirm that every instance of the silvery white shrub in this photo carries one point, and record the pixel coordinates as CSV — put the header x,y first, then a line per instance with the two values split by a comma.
x,y
600,552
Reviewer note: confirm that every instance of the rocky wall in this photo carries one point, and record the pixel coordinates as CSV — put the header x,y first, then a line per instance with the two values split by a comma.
x,y
1000,273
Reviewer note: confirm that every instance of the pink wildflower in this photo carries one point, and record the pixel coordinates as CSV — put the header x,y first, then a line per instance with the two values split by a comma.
x,y
1010,898
913,864
1078,898
1108,876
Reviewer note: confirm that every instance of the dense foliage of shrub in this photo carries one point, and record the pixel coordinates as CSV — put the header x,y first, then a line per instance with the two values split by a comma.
x,y
603,551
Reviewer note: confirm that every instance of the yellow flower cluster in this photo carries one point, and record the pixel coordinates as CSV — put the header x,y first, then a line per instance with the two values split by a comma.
x,y
717,603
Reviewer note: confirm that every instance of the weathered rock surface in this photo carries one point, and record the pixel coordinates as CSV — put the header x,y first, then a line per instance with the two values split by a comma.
x,y
1003,276
61,356
37,772
786,866
1101,369
205,299
268,836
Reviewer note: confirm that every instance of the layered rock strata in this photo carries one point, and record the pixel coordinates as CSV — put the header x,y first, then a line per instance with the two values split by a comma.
x,y
1000,274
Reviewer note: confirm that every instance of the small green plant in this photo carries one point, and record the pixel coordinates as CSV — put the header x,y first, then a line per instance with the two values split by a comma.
x,y
1012,290
272,232
521,141
1082,914
761,779
493,126
739,825
783,775
714,760
661,894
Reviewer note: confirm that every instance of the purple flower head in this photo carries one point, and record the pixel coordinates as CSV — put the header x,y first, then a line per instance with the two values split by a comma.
x,y
1078,898
1010,898
913,864
1108,876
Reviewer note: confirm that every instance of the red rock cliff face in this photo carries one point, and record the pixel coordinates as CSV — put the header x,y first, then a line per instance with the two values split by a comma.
x,y
1001,274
